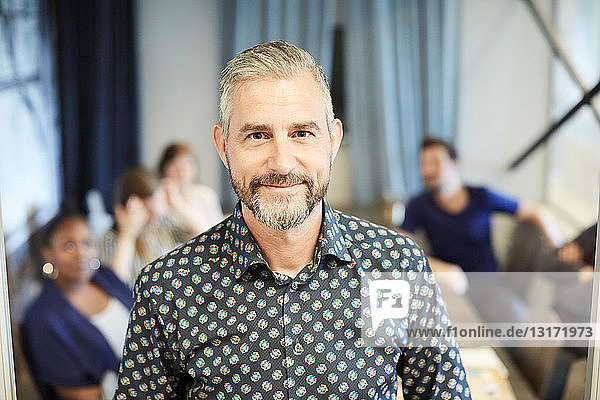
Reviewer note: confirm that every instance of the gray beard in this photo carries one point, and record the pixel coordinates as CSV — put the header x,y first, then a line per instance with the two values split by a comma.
x,y
285,212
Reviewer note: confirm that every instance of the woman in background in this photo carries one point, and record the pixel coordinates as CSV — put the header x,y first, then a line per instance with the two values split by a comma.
x,y
196,203
73,333
144,229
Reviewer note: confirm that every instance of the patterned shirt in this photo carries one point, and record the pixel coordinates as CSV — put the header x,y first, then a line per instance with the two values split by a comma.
x,y
212,321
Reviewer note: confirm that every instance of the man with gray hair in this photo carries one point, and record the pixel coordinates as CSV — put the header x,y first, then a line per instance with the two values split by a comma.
x,y
274,301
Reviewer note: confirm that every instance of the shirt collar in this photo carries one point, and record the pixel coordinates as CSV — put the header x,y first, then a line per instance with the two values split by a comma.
x,y
246,252
331,239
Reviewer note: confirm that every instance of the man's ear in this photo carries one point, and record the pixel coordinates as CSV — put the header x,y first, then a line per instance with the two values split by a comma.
x,y
337,134
220,145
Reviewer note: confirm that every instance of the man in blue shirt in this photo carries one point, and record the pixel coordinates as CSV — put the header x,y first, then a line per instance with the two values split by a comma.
x,y
456,217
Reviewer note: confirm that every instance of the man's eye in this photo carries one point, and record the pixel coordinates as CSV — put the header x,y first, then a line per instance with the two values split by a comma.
x,y
302,134
257,135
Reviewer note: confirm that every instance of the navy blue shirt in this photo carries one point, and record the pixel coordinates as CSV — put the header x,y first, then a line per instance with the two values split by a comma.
x,y
462,238
211,320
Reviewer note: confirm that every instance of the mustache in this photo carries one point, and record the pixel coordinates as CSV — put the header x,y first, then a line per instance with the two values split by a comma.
x,y
273,178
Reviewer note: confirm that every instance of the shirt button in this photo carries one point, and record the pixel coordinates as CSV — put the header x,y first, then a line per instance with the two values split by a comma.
x,y
298,349
288,362
294,285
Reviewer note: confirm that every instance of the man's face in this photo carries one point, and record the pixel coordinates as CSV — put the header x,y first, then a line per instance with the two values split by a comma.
x,y
279,150
437,168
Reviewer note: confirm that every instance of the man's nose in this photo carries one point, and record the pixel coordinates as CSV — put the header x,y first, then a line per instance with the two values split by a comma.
x,y
282,158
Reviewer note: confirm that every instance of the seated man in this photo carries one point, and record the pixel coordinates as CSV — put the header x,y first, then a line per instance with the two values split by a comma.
x,y
456,217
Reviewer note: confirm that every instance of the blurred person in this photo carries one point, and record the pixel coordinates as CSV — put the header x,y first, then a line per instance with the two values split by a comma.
x,y
456,219
573,292
572,297
143,228
197,204
456,216
267,304
577,255
73,333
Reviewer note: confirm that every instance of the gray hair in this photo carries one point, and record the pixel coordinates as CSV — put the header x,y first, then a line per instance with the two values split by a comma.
x,y
277,59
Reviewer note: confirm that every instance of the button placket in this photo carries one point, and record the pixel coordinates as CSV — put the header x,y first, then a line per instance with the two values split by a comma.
x,y
288,341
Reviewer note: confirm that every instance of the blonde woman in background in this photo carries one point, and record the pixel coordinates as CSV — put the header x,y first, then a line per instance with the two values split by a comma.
x,y
144,228
196,203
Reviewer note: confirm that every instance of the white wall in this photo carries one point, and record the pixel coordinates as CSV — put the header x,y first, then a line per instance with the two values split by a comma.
x,y
178,58
503,90
503,94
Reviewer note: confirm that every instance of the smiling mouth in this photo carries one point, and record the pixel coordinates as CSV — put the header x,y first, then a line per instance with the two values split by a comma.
x,y
284,186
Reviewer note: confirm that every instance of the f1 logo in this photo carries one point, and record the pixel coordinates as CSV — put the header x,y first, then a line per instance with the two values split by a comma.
x,y
384,295
388,299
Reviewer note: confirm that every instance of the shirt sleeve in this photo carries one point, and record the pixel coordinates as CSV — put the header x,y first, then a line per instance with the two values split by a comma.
x,y
149,369
501,203
411,219
433,367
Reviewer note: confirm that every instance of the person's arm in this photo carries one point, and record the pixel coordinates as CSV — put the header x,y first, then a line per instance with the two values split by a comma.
x,y
574,253
194,222
546,225
587,239
82,393
571,253
131,221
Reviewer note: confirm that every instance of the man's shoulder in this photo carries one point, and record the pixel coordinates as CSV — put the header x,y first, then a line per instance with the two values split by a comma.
x,y
195,252
355,223
364,234
421,202
487,196
477,190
